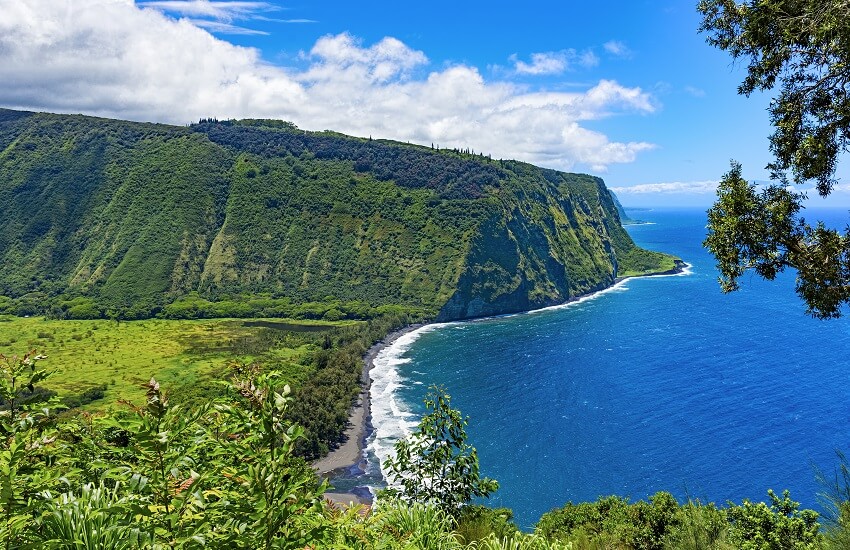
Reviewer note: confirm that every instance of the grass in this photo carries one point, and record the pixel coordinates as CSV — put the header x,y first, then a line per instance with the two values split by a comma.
x,y
184,356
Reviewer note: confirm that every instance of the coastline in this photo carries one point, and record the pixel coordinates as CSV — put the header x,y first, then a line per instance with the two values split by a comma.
x,y
680,267
349,455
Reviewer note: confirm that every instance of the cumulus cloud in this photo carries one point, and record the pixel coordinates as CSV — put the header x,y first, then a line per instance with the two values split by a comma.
x,y
114,58
343,57
674,187
617,48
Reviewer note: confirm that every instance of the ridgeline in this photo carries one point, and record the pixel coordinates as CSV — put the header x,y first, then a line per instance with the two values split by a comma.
x,y
112,219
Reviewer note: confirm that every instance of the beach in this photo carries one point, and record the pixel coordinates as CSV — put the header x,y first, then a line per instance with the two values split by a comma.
x,y
350,453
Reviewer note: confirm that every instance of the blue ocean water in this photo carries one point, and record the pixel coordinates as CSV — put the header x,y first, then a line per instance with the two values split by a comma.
x,y
660,383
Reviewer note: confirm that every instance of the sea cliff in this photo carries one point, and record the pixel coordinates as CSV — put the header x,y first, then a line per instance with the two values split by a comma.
x,y
258,218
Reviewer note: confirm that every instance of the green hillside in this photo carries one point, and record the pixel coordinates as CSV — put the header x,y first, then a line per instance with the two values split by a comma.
x,y
131,220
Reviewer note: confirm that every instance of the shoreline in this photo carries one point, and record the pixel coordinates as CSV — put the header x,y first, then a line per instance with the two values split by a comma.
x,y
679,267
349,455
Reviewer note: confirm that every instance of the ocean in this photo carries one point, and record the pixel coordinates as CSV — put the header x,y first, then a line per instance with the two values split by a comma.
x,y
656,384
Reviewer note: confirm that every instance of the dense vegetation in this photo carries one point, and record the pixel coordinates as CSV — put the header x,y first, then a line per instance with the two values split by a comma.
x,y
112,219
99,363
222,474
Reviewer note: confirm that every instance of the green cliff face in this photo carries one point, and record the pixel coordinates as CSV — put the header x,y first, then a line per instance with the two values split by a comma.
x,y
624,218
127,217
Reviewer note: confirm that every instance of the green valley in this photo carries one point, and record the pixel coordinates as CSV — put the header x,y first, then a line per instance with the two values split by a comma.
x,y
191,230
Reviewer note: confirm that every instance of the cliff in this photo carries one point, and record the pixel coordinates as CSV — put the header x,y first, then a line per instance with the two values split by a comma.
x,y
112,217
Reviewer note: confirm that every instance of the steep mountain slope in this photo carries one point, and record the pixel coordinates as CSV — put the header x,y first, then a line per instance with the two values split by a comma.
x,y
624,218
121,218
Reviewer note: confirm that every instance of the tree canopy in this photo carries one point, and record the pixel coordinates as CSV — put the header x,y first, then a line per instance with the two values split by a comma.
x,y
800,49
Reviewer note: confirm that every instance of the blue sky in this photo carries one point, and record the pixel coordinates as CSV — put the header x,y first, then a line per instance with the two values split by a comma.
x,y
627,90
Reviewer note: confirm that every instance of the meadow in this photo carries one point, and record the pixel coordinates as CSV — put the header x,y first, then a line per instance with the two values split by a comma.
x,y
186,356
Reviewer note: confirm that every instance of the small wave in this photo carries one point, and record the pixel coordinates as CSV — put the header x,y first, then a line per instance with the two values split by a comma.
x,y
617,287
686,271
392,419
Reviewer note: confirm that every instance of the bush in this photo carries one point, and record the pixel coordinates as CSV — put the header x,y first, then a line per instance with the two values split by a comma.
x,y
700,527
642,525
93,393
435,465
780,526
477,522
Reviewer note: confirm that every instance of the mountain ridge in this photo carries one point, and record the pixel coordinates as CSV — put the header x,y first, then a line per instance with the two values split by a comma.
x,y
126,219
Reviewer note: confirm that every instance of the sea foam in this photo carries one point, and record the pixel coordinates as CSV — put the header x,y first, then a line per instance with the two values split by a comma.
x,y
617,287
391,417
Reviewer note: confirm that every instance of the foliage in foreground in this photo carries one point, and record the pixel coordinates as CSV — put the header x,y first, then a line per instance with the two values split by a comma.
x,y
435,464
761,230
662,523
101,362
224,475
799,49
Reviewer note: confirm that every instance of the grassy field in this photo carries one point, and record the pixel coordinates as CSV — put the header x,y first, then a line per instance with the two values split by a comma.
x,y
184,356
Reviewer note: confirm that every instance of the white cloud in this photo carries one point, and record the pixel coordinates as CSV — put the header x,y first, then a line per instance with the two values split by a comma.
x,y
275,20
588,59
224,28
113,58
667,188
837,188
550,63
542,63
207,8
694,91
617,48
218,16
335,56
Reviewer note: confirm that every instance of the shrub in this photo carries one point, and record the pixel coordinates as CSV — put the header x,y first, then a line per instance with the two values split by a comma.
x,y
436,465
780,526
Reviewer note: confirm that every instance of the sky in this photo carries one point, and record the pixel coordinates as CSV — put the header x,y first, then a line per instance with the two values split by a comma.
x,y
627,90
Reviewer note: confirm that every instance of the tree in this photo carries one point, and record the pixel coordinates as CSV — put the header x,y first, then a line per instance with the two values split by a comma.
x,y
801,47
435,465
761,230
